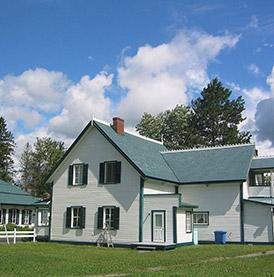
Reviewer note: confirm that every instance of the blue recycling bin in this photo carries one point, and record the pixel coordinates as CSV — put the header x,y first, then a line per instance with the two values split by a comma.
x,y
220,237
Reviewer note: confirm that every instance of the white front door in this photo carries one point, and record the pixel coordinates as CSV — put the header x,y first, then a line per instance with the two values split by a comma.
x,y
158,227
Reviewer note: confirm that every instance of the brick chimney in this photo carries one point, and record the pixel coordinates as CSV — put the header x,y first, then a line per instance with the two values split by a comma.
x,y
118,125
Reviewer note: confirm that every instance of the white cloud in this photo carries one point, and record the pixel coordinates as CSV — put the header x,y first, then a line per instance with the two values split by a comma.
x,y
83,100
27,96
254,69
260,115
158,78
254,22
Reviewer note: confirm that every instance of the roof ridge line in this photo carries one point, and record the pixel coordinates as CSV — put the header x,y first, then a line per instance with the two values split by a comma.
x,y
207,148
129,132
263,157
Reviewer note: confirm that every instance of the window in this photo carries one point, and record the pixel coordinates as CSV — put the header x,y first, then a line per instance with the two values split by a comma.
x,y
188,222
110,172
26,217
201,218
108,218
78,174
43,217
2,216
75,217
260,178
14,216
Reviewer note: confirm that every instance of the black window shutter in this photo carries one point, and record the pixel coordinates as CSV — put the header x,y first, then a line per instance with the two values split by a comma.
x,y
23,217
116,218
85,174
30,216
118,172
17,217
82,217
70,175
68,218
100,218
102,173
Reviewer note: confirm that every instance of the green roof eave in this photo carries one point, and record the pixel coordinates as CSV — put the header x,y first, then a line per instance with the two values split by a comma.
x,y
259,202
68,151
188,205
262,163
118,149
212,182
138,168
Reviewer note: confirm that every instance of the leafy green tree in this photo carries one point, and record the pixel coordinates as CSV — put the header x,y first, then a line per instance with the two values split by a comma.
x,y
171,126
215,117
7,145
37,163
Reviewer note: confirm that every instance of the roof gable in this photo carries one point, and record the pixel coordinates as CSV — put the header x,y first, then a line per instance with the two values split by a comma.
x,y
144,154
213,164
152,160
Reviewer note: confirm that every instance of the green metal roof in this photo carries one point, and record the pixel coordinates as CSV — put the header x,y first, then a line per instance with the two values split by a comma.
x,y
13,195
262,163
213,164
152,160
143,153
262,202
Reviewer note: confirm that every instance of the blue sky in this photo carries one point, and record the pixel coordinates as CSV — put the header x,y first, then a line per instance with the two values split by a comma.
x,y
62,60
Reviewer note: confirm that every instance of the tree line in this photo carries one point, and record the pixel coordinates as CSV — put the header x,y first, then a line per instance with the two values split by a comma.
x,y
212,119
36,161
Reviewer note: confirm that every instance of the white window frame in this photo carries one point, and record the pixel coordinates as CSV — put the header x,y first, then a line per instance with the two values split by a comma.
x,y
2,217
26,219
205,216
75,214
189,222
41,217
14,215
78,169
111,217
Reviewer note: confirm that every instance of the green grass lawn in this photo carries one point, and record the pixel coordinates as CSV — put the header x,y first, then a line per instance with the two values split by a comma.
x,y
51,259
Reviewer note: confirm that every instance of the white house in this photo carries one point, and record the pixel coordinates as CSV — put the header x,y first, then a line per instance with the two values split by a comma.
x,y
147,195
19,208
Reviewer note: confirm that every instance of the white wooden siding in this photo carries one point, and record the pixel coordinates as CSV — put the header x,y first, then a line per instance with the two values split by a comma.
x,y
257,222
92,149
154,187
222,201
245,190
163,203
259,191
182,235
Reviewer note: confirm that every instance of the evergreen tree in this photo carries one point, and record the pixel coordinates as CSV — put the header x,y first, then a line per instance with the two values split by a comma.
x,y
37,163
171,126
7,145
151,126
26,166
216,118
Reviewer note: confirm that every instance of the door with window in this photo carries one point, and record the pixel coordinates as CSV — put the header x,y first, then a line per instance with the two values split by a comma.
x,y
158,226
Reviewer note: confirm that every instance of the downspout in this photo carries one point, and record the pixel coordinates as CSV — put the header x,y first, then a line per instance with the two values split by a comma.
x,y
272,186
50,208
242,214
141,209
